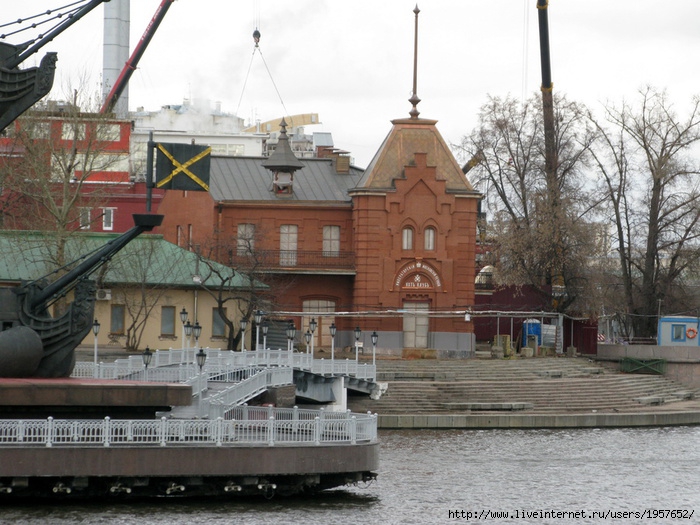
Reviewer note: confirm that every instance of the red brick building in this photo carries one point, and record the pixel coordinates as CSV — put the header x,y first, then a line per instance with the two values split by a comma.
x,y
93,150
389,249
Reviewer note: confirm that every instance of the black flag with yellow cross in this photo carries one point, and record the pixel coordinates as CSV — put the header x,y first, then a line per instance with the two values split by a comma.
x,y
182,167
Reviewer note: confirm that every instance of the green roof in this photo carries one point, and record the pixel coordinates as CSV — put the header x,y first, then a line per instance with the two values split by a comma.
x,y
148,259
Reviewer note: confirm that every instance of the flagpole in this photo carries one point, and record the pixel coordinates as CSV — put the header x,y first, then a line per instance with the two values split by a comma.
x,y
149,171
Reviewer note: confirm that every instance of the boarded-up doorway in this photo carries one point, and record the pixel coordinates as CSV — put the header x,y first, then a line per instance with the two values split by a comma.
x,y
415,325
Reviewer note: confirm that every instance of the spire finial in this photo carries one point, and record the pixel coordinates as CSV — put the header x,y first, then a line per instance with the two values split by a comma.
x,y
414,98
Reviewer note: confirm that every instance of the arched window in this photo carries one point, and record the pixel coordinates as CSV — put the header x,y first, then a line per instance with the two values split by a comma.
x,y
429,239
407,239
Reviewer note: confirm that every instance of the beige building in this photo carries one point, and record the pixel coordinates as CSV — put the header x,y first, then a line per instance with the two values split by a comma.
x,y
141,293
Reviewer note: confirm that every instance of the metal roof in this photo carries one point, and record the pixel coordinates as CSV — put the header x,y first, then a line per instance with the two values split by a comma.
x,y
245,179
148,259
406,138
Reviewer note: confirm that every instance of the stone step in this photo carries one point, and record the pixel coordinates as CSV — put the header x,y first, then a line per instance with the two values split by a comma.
x,y
549,385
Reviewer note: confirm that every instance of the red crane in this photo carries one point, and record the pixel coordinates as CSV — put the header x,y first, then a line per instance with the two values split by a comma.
x,y
130,66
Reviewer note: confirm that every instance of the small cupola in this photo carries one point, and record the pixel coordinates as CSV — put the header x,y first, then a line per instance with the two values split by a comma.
x,y
282,163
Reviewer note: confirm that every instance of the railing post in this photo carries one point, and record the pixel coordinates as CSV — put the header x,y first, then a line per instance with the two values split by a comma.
x,y
353,430
163,431
49,432
20,431
271,431
219,431
317,430
106,427
295,419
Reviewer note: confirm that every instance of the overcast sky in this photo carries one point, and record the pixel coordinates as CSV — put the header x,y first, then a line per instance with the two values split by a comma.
x,y
351,61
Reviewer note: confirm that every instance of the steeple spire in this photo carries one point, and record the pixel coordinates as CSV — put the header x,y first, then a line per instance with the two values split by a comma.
x,y
283,158
414,100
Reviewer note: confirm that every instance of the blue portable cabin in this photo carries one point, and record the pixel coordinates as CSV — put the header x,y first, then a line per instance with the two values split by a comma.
x,y
678,331
532,327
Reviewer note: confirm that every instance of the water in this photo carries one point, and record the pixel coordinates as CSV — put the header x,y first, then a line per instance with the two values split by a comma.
x,y
426,474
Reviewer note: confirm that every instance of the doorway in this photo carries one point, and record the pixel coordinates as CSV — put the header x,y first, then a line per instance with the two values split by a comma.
x,y
415,325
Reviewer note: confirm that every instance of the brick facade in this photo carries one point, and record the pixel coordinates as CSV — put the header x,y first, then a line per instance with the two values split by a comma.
x,y
341,239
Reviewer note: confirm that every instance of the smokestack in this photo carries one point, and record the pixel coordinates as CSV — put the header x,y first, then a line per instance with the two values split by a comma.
x,y
115,52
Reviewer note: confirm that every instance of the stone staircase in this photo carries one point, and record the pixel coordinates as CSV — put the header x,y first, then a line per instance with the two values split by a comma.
x,y
537,386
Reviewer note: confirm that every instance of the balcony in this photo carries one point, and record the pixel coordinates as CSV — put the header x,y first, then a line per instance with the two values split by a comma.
x,y
296,261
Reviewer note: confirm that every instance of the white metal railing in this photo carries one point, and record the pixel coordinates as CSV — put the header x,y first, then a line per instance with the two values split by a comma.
x,y
256,382
181,365
292,426
344,367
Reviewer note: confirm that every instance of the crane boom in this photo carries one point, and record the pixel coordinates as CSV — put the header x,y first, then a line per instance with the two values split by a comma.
x,y
139,50
547,86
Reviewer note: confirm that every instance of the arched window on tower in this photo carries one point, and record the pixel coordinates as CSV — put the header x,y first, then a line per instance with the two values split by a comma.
x,y
407,238
429,239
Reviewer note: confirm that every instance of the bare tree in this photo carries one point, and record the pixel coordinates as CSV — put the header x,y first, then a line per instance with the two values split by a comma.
x,y
48,158
239,279
540,218
644,156
147,274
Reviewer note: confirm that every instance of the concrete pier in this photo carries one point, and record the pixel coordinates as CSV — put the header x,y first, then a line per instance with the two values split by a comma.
x,y
191,470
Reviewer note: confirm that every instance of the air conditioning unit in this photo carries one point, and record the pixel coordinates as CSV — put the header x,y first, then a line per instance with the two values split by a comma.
x,y
103,295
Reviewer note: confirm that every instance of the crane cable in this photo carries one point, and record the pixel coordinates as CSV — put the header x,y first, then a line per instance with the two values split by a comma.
x,y
256,38
245,82
275,86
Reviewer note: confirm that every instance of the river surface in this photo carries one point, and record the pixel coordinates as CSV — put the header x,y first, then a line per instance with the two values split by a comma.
x,y
441,476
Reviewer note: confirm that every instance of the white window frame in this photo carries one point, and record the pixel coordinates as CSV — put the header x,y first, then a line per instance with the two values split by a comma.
x,y
289,234
331,240
108,218
245,243
407,238
429,239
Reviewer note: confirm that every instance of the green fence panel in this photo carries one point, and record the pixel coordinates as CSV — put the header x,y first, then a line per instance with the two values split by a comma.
x,y
643,366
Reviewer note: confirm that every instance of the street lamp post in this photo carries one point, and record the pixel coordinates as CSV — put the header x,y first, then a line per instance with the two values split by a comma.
x,y
188,332
183,318
244,325
358,334
332,330
291,333
257,318
95,330
307,336
201,359
146,356
265,328
312,327
196,332
375,338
